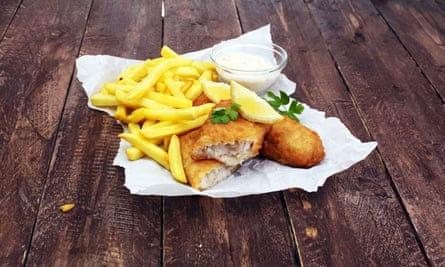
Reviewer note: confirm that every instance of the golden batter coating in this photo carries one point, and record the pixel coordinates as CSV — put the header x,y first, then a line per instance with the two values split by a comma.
x,y
231,143
201,174
293,144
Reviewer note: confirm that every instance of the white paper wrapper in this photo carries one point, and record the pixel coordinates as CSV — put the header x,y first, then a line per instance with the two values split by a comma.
x,y
257,176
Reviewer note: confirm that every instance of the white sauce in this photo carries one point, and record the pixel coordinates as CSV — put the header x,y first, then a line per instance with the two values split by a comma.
x,y
241,63
244,61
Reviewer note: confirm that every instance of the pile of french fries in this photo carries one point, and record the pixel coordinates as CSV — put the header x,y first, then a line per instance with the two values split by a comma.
x,y
155,100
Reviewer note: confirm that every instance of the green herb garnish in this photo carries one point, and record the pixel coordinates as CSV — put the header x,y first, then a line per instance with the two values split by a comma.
x,y
224,115
281,104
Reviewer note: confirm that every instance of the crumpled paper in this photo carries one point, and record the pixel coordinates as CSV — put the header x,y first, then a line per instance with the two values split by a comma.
x,y
256,176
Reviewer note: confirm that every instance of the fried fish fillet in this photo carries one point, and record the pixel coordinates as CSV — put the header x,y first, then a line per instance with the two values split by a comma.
x,y
201,99
231,143
293,144
201,174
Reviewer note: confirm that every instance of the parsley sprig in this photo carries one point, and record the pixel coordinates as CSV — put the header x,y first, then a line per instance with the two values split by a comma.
x,y
280,104
224,115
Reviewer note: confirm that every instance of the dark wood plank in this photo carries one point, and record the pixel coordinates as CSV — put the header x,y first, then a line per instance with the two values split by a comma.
x,y
9,8
200,25
201,231
108,226
355,219
398,108
245,231
34,78
420,25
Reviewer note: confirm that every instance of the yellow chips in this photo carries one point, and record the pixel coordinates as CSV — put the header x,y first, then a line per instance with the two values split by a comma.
x,y
155,99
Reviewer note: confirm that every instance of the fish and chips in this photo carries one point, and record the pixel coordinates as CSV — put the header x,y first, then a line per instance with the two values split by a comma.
x,y
177,116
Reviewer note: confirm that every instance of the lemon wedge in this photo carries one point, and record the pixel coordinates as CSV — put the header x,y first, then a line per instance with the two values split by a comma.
x,y
216,91
253,107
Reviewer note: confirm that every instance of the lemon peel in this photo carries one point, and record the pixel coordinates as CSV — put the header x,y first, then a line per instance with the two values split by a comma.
x,y
253,107
216,91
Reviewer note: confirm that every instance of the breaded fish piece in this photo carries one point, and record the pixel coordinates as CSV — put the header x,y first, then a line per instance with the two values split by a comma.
x,y
231,143
201,174
201,99
290,143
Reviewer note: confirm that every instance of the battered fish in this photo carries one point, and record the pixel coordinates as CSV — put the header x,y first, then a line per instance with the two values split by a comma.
x,y
231,143
293,144
202,174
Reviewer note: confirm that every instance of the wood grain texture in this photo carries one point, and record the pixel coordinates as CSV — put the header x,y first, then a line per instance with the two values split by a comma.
x,y
9,8
223,232
131,30
399,110
423,35
357,209
377,65
203,24
108,226
200,231
34,77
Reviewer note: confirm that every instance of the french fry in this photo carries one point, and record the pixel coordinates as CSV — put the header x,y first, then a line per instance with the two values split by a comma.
x,y
175,87
137,115
134,153
123,99
112,87
149,81
103,100
167,52
166,143
166,75
160,87
147,124
186,72
159,125
172,101
136,72
202,66
128,72
187,84
155,99
170,114
175,160
194,91
206,76
151,150
178,128
150,103
121,114
134,128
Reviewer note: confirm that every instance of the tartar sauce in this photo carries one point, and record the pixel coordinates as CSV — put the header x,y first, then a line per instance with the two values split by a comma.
x,y
244,61
241,67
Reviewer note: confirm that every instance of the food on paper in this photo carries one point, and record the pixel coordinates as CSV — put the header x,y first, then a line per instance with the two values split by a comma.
x,y
155,100
175,160
202,174
199,129
231,143
253,107
257,176
150,149
255,65
290,143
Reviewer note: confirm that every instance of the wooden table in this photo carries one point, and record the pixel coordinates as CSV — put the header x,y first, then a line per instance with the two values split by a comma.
x,y
379,66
